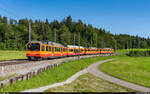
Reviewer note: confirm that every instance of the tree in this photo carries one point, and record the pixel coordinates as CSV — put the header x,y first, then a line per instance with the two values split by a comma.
x,y
65,35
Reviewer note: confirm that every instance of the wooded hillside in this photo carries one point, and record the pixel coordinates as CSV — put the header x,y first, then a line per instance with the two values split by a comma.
x,y
14,34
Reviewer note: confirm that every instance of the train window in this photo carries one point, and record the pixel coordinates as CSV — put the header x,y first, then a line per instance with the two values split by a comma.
x,y
64,50
57,49
42,48
53,49
49,48
75,50
61,50
46,48
34,47
71,50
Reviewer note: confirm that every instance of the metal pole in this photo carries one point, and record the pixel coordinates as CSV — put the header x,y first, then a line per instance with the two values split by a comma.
x,y
139,44
55,35
104,43
74,39
115,45
91,42
127,46
29,31
134,44
44,33
79,47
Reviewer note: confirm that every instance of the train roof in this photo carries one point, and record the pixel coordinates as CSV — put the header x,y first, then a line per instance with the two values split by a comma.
x,y
92,47
106,48
36,42
58,44
48,43
74,46
55,44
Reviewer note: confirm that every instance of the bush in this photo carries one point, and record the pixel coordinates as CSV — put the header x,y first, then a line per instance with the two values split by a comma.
x,y
139,53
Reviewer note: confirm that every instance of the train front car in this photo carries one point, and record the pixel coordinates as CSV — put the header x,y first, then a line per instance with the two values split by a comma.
x,y
33,50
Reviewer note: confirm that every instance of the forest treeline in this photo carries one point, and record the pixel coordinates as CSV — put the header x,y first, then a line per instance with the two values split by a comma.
x,y
14,34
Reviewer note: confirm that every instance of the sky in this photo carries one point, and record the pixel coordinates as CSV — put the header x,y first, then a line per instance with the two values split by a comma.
x,y
117,16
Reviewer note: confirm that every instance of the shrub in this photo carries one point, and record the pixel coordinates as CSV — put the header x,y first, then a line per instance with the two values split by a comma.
x,y
139,53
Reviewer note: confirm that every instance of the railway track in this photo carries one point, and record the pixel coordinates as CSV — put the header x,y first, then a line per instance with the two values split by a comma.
x,y
21,61
13,62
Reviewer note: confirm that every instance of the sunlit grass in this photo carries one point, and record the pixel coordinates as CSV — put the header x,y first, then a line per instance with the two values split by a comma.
x,y
53,75
10,55
89,83
132,69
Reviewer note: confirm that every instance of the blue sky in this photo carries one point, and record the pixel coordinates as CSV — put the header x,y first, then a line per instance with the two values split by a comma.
x,y
119,16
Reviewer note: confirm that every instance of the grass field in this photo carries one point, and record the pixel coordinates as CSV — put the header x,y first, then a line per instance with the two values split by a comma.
x,y
10,55
132,69
53,75
125,50
89,83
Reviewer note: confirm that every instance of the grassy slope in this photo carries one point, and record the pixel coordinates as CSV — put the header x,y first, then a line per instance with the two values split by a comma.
x,y
89,83
53,75
9,55
136,70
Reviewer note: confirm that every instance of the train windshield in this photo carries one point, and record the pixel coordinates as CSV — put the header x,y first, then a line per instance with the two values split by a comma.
x,y
33,47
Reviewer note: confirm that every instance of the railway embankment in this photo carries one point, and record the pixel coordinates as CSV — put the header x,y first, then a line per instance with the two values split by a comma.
x,y
50,73
21,68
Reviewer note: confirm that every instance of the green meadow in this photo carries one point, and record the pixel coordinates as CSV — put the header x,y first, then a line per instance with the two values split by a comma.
x,y
89,83
132,69
11,55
